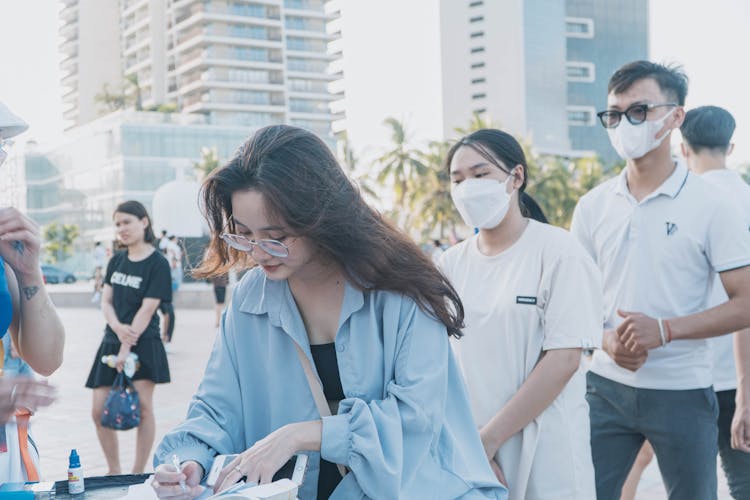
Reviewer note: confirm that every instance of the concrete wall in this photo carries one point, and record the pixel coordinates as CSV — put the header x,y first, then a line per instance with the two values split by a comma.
x,y
202,298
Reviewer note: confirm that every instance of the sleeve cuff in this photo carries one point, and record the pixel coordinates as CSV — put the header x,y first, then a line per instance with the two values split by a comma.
x,y
732,265
200,454
335,439
570,343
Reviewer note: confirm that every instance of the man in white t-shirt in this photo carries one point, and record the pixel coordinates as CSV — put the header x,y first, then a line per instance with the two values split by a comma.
x,y
707,135
658,234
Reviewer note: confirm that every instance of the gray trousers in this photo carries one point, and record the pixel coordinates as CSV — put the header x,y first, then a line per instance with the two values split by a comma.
x,y
681,426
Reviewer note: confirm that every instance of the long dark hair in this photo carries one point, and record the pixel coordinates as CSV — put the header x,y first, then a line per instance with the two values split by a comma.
x,y
137,209
304,186
494,145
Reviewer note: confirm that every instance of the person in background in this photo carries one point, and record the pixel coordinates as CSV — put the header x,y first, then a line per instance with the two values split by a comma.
x,y
163,242
658,234
341,304
437,251
174,256
220,283
533,302
136,281
707,141
173,253
36,332
100,258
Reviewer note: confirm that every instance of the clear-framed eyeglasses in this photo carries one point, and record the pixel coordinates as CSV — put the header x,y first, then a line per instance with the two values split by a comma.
x,y
636,114
5,145
274,248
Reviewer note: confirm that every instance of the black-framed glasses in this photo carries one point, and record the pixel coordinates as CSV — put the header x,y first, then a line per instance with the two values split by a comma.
x,y
636,114
243,244
5,145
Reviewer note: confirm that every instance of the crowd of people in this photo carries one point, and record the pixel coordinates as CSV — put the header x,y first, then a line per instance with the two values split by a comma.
x,y
525,362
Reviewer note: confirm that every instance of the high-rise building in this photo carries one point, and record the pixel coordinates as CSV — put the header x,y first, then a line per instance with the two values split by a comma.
x,y
90,49
601,37
148,84
238,62
538,68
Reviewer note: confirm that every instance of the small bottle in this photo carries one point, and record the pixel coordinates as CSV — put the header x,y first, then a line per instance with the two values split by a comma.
x,y
110,360
75,474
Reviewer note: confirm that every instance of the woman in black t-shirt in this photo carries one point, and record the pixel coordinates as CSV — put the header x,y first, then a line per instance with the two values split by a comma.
x,y
136,282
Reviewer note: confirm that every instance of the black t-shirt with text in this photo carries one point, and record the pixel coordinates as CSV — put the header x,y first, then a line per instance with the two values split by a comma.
x,y
132,282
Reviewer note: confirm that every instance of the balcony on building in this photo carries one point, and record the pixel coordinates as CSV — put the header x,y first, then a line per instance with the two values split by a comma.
x,y
69,12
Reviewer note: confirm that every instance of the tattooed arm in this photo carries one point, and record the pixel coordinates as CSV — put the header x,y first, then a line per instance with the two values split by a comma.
x,y
36,328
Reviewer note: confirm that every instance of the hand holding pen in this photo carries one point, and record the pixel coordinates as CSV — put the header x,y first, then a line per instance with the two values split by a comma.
x,y
180,481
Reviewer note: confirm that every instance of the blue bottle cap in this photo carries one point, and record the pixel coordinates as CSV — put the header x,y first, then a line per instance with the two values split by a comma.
x,y
74,460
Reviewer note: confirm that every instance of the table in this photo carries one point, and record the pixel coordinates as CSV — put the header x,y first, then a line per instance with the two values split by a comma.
x,y
101,487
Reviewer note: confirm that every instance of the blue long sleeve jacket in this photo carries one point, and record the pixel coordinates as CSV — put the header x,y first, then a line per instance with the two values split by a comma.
x,y
405,429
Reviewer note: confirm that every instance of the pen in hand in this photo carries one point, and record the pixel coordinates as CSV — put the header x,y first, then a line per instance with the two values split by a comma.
x,y
176,463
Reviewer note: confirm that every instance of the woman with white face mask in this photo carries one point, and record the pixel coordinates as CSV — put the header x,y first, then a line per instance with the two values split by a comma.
x,y
532,300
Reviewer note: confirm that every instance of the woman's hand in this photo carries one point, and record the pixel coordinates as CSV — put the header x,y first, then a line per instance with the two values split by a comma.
x,y
122,356
498,472
22,392
489,444
19,245
166,482
741,425
125,334
490,449
267,456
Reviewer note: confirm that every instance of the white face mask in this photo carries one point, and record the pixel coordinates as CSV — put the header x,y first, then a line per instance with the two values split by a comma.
x,y
635,141
482,203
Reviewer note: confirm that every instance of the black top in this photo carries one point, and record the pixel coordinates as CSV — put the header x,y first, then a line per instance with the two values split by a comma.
x,y
132,282
324,356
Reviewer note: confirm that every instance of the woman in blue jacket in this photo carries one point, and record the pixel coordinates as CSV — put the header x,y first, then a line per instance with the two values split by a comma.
x,y
360,302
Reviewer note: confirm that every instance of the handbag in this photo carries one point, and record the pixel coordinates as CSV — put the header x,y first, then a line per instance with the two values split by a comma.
x,y
317,392
122,409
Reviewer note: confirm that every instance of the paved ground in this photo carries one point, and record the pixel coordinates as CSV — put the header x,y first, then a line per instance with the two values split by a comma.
x,y
67,424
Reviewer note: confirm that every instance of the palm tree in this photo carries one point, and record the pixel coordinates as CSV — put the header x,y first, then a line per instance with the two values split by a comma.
x,y
400,167
350,164
435,207
132,79
477,122
208,163
128,94
111,100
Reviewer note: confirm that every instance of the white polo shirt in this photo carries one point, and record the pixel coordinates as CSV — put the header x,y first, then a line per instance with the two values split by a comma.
x,y
658,257
725,376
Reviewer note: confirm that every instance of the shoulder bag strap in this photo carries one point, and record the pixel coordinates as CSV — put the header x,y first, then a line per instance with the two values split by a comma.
x,y
317,391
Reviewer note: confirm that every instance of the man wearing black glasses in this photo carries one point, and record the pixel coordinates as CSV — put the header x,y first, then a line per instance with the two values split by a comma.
x,y
658,233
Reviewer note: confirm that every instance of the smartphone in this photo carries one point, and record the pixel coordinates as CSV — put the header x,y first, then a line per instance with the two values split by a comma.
x,y
294,469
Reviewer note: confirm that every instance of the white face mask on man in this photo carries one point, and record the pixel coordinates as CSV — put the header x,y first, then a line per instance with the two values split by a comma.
x,y
635,141
482,203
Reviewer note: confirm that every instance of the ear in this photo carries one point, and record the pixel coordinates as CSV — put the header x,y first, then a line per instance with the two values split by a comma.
x,y
519,176
730,149
685,149
674,121
677,117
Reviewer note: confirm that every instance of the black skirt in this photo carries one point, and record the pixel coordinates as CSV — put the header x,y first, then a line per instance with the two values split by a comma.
x,y
151,356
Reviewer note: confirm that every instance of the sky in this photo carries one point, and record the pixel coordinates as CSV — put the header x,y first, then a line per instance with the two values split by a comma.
x,y
392,64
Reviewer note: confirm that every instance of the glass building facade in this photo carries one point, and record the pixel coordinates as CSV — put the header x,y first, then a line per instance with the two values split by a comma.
x,y
124,156
538,68
602,35
544,41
